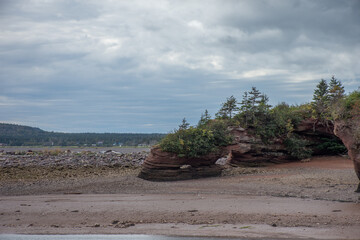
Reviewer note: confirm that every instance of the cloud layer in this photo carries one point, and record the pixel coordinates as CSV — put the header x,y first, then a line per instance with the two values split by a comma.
x,y
141,66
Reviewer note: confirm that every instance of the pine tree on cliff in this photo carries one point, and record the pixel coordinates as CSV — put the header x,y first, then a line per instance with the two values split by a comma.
x,y
245,109
204,119
228,108
263,108
321,100
184,124
336,90
254,97
254,107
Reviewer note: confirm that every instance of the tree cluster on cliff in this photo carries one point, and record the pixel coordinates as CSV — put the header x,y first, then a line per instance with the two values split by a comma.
x,y
255,114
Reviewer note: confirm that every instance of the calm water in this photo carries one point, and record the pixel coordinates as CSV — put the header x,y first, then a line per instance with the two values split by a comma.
x,y
104,237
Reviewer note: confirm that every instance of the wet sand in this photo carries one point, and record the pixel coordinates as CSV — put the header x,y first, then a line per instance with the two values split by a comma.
x,y
313,199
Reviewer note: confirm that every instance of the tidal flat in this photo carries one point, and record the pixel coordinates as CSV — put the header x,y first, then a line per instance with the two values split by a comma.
x,y
314,199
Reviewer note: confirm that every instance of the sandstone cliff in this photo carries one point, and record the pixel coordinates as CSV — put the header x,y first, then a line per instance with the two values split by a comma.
x,y
349,132
165,166
248,150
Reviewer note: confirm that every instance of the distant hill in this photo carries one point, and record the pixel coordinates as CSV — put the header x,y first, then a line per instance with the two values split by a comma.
x,y
18,135
18,130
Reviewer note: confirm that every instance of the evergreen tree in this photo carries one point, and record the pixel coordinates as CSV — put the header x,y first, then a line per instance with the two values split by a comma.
x,y
321,99
184,124
263,106
255,97
228,108
204,119
245,108
336,90
321,91
254,108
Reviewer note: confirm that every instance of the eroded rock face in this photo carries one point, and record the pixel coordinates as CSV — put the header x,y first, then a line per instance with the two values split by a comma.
x,y
165,166
349,133
248,150
313,127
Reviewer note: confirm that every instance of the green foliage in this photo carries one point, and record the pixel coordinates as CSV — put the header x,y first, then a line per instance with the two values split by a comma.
x,y
254,109
184,124
228,108
336,90
255,114
321,91
352,103
196,142
297,147
331,146
219,128
204,119
191,142
282,120
346,107
321,100
328,100
302,111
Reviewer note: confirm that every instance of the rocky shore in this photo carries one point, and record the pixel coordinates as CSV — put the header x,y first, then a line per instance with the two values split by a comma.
x,y
68,158
57,165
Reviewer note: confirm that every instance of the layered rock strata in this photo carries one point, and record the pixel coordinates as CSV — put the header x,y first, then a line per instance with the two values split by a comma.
x,y
248,150
165,166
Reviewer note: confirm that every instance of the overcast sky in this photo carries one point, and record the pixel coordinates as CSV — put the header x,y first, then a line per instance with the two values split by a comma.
x,y
141,66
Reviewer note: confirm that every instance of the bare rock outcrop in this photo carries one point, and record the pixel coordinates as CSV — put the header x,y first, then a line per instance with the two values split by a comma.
x,y
166,166
349,133
313,127
249,150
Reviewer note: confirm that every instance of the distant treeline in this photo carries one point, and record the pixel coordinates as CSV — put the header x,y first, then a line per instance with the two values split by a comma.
x,y
17,135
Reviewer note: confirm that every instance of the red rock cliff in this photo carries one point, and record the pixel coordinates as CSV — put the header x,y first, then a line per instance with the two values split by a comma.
x,y
248,150
349,133
166,166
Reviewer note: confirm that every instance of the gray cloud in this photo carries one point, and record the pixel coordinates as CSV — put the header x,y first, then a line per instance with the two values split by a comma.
x,y
136,66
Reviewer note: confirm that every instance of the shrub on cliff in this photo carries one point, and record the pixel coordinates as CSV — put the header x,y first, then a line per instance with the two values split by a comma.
x,y
352,104
297,147
195,142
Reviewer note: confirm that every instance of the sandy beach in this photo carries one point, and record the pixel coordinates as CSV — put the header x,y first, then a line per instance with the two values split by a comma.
x,y
314,199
